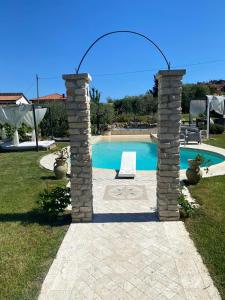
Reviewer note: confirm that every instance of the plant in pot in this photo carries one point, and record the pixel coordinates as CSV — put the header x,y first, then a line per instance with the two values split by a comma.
x,y
194,173
60,164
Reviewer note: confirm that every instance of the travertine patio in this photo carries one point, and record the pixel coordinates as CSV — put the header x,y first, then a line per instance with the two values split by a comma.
x,y
126,253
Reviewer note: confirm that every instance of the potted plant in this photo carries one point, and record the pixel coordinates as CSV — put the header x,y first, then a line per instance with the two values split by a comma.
x,y
60,164
194,173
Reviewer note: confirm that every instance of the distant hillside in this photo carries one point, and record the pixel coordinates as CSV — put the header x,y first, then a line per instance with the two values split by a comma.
x,y
217,85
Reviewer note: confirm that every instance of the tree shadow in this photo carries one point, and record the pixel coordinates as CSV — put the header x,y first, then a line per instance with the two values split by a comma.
x,y
50,177
36,217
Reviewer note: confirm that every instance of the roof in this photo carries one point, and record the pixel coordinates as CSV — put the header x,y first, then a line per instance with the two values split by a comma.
x,y
11,96
50,97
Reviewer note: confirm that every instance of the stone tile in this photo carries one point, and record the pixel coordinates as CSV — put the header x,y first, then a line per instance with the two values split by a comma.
x,y
123,257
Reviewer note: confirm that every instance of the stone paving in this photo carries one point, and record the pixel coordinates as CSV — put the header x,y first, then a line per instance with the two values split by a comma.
x,y
126,253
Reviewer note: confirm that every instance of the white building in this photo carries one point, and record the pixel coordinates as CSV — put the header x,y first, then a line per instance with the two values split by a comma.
x,y
13,98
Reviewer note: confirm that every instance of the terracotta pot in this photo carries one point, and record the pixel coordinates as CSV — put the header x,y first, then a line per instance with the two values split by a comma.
x,y
60,168
193,173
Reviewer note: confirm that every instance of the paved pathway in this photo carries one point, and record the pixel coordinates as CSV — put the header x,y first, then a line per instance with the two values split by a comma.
x,y
126,253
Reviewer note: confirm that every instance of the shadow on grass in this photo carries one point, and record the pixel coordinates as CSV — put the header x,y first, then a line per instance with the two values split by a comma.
x,y
50,177
35,217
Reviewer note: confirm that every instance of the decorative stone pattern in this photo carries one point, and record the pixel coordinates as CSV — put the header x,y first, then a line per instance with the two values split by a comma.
x,y
78,109
123,192
169,113
126,253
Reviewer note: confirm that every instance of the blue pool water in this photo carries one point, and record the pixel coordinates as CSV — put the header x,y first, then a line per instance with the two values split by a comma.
x,y
107,155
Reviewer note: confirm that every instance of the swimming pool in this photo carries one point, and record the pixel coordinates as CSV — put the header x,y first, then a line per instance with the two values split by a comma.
x,y
107,155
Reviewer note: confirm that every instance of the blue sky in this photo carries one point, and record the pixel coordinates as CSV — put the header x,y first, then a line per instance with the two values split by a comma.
x,y
49,38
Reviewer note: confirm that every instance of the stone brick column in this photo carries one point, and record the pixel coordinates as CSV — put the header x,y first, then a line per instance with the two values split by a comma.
x,y
78,109
169,113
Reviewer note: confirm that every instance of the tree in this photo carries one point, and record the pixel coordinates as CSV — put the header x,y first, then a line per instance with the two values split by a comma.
x,y
55,121
155,88
193,92
102,114
95,99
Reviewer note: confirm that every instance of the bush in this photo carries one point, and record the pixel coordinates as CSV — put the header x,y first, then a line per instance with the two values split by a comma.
x,y
126,118
55,122
55,201
185,208
9,130
21,131
216,129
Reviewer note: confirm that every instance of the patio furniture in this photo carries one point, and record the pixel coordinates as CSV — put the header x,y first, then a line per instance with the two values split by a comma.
x,y
182,138
190,134
193,137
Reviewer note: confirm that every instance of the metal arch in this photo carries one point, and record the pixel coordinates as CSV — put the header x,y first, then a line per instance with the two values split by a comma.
x,y
122,31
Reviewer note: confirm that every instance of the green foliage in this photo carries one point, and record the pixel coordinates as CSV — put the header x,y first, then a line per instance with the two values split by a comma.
x,y
22,132
192,92
185,208
54,201
9,130
95,95
199,159
126,118
55,122
102,114
138,105
216,129
155,88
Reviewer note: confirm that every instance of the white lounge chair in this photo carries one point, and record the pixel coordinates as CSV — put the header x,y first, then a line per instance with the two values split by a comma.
x,y
128,165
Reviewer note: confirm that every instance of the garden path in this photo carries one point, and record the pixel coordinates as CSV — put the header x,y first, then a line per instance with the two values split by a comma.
x,y
126,253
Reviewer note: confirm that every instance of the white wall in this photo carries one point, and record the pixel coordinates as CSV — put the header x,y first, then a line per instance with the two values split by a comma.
x,y
22,100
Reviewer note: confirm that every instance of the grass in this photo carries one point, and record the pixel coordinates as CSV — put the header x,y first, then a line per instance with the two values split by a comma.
x,y
28,243
207,228
217,140
185,117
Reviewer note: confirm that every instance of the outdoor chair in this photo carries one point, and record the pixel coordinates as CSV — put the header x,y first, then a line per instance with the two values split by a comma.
x,y
182,138
193,137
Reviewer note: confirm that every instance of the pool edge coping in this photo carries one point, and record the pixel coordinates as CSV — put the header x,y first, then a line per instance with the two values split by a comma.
x,y
214,170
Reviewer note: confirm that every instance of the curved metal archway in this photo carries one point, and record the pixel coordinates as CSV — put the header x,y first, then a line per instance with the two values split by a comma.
x,y
122,31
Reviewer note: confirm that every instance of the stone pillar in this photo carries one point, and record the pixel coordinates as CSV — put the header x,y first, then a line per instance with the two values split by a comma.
x,y
78,109
169,114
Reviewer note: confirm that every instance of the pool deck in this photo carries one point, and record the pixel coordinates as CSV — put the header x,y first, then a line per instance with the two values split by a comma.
x,y
47,161
126,253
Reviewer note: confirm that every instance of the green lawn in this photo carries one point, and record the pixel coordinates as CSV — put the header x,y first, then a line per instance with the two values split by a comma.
x,y
185,117
28,242
217,140
207,228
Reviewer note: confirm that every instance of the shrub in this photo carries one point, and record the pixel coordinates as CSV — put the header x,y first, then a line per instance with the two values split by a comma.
x,y
22,132
55,121
54,201
9,130
216,129
185,208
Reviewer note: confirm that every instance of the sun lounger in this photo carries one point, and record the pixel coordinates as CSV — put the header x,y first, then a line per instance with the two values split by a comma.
x,y
128,165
